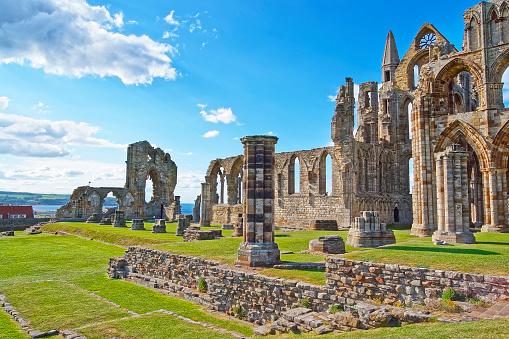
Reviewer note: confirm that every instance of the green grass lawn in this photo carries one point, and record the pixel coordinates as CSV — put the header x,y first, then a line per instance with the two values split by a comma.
x,y
28,262
50,280
152,326
492,329
9,329
490,255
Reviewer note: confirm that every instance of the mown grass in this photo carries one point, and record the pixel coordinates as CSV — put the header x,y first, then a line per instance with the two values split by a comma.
x,y
26,260
59,305
492,329
490,255
9,329
152,326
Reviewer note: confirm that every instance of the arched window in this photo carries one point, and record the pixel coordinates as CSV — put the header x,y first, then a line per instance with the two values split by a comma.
x,y
474,34
416,75
149,188
505,25
297,176
494,29
293,176
325,180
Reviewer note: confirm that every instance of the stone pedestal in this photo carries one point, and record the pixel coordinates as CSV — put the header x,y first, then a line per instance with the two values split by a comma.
x,y
331,244
119,219
495,228
323,225
453,204
159,226
137,225
94,218
183,223
258,255
105,221
238,228
367,231
258,248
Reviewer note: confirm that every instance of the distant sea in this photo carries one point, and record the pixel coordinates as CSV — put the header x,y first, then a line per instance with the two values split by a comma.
x,y
51,209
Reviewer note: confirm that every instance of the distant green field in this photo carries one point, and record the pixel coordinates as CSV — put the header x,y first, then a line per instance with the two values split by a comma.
x,y
25,198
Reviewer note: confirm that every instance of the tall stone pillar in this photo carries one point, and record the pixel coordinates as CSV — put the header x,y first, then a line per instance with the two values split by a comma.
x,y
452,197
496,192
258,248
205,205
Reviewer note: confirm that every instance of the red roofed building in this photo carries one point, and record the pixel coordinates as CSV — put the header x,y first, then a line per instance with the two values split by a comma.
x,y
16,212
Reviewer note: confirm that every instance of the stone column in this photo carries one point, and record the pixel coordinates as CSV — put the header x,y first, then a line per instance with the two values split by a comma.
x,y
258,248
452,197
497,194
205,205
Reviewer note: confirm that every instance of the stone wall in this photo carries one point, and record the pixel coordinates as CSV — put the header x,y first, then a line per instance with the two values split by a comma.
x,y
226,214
265,297
390,282
299,210
19,224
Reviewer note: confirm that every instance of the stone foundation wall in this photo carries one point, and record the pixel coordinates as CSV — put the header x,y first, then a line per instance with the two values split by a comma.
x,y
264,297
389,282
225,214
299,210
19,224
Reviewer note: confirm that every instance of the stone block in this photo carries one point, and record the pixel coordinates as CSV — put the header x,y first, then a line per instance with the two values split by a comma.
x,y
119,219
323,225
331,244
137,225
159,226
367,231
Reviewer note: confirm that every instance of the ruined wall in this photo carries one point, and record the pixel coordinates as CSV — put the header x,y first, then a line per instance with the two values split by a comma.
x,y
144,162
262,297
226,214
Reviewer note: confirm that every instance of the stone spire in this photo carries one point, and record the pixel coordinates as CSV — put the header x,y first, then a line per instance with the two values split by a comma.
x,y
391,58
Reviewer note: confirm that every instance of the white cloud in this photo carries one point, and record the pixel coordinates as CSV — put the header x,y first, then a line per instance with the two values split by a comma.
x,y
202,106
189,180
169,19
73,38
270,133
39,104
224,115
25,136
211,134
4,102
60,175
118,19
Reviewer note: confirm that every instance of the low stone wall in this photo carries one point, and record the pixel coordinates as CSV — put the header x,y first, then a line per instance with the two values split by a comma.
x,y
19,224
264,298
359,280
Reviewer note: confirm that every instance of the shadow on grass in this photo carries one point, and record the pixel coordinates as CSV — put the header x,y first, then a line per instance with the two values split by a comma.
x,y
281,235
443,250
493,243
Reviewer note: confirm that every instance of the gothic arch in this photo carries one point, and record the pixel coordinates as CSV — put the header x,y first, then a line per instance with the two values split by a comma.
x,y
501,147
497,69
452,133
456,66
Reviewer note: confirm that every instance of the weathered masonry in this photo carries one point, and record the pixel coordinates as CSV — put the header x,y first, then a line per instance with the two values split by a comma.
x,y
144,162
450,97
370,171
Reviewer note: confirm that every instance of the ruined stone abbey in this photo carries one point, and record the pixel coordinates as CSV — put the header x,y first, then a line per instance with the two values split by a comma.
x,y
440,106
144,163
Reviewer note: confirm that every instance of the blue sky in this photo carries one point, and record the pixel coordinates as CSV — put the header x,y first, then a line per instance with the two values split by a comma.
x,y
79,80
